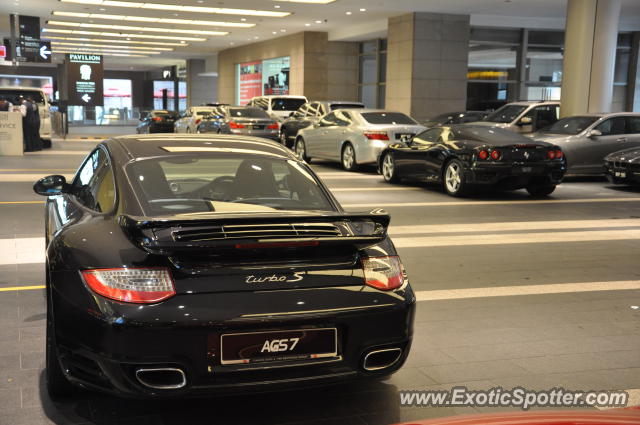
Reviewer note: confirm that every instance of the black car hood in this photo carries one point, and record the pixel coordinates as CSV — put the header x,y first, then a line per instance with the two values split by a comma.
x,y
627,155
470,144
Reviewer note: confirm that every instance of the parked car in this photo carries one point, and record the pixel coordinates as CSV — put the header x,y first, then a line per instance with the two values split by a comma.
x,y
245,120
623,167
278,107
587,139
158,121
309,114
354,136
456,118
15,95
463,156
523,117
192,117
189,265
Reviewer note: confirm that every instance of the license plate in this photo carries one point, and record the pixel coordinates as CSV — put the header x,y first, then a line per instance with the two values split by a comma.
x,y
621,174
256,127
276,346
400,136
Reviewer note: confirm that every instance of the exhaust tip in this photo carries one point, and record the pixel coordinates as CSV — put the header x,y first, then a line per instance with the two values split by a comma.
x,y
381,359
166,378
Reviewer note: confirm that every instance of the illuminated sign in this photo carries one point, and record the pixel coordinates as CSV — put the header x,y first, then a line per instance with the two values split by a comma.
x,y
84,79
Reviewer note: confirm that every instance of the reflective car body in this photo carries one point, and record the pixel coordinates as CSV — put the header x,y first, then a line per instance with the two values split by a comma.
x,y
463,156
587,139
239,120
191,118
623,167
157,121
523,117
354,136
308,114
187,265
279,107
456,118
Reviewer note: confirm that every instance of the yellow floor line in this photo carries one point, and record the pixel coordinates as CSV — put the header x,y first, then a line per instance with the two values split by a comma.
x,y
20,202
22,288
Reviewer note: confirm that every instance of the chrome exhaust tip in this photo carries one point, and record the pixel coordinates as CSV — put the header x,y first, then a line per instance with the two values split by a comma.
x,y
381,359
166,378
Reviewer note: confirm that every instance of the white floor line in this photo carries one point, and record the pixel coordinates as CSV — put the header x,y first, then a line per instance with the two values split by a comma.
x,y
516,225
16,178
470,203
21,251
372,189
516,238
516,290
346,176
50,152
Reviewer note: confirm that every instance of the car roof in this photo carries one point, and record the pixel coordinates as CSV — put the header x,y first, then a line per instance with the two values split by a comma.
x,y
534,102
605,114
154,145
286,96
338,102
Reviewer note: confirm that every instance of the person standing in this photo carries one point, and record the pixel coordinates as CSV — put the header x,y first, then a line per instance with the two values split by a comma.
x,y
5,105
30,126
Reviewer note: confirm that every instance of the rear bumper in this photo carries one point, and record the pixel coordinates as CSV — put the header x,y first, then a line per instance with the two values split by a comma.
x,y
265,134
105,352
515,175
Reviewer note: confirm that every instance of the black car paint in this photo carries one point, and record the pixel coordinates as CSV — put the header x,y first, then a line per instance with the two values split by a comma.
x,y
625,162
102,342
426,161
148,125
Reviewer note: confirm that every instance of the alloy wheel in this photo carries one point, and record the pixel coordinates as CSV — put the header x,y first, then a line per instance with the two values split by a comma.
x,y
452,177
388,167
348,157
300,150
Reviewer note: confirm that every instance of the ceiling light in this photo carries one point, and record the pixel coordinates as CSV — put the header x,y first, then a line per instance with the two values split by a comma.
x,y
102,40
102,9
283,30
132,28
103,46
107,54
307,25
107,50
348,13
307,1
363,9
318,22
157,20
183,8
117,34
277,6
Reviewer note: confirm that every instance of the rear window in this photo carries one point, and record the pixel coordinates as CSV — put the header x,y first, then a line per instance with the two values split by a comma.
x,y
286,104
16,96
489,135
226,183
388,118
248,113
203,113
335,106
165,114
506,114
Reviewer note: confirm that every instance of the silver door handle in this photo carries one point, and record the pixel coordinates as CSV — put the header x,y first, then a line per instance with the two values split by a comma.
x,y
621,139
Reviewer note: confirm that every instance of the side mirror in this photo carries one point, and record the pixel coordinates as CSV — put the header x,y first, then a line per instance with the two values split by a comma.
x,y
525,121
594,133
51,185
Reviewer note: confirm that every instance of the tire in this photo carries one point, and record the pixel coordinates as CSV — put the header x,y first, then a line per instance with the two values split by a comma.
x,y
541,190
453,178
388,169
58,386
301,150
348,157
283,138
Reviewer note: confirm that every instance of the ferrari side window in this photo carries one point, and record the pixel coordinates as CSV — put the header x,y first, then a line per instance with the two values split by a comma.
x,y
93,186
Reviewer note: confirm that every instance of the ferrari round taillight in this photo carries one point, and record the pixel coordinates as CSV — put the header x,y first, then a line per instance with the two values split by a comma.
x,y
198,121
551,154
496,154
483,154
384,273
143,286
559,154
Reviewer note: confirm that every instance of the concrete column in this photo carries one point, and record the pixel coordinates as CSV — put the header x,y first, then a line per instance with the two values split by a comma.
x,y
591,36
427,63
633,85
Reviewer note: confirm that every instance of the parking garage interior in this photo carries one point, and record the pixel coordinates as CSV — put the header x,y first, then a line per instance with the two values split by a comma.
x,y
523,274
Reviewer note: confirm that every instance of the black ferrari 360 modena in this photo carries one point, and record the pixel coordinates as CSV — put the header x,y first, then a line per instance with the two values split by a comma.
x,y
191,265
464,156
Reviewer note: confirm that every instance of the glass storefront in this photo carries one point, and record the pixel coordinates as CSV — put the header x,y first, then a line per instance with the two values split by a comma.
x,y
373,73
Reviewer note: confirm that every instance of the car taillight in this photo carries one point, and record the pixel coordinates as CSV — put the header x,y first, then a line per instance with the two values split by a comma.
x,y
551,154
156,119
376,135
483,154
559,154
384,273
495,154
233,124
143,286
273,126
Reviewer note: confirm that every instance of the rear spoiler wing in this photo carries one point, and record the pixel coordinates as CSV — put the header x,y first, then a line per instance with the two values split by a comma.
x,y
162,234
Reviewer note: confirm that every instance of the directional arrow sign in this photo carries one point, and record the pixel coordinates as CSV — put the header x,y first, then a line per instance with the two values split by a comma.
x,y
86,98
45,52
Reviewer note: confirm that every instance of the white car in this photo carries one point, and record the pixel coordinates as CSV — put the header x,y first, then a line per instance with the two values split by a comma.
x,y
14,96
523,117
278,107
354,136
192,117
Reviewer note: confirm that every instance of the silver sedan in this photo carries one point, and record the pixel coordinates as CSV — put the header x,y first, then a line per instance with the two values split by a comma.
x,y
354,136
587,139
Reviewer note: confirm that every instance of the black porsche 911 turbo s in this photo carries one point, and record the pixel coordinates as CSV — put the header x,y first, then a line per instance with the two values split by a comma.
x,y
623,167
463,156
188,265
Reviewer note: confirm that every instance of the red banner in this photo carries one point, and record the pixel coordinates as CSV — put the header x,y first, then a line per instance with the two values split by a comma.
x,y
250,82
